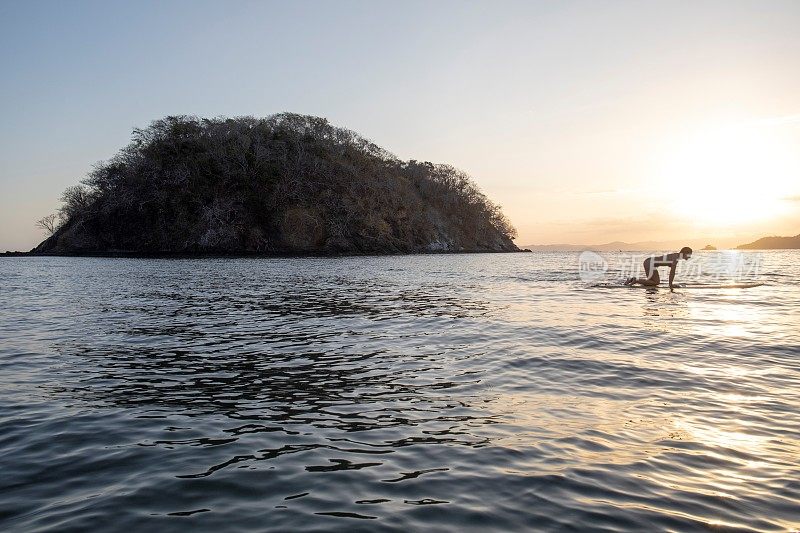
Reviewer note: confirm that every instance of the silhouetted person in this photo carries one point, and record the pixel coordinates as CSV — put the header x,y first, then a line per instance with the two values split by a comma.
x,y
652,263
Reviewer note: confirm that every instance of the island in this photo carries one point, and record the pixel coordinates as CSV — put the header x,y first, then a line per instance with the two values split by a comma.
x,y
709,247
773,243
284,184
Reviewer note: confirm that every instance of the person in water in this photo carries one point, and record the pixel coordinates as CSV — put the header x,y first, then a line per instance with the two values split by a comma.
x,y
652,263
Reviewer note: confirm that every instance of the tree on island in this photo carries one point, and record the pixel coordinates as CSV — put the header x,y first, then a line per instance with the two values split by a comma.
x,y
283,184
48,223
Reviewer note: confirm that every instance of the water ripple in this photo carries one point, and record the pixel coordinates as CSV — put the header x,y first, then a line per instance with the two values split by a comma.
x,y
458,393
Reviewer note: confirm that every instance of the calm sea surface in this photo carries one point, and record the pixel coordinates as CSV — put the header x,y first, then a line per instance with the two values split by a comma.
x,y
461,392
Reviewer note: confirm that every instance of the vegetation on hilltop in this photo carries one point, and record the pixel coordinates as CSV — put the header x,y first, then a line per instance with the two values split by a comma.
x,y
287,183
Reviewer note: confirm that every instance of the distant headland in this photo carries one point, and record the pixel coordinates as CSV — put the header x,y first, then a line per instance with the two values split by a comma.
x,y
766,243
772,243
616,246
285,184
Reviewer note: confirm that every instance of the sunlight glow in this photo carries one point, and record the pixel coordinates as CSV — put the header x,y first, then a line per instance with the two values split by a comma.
x,y
728,176
738,440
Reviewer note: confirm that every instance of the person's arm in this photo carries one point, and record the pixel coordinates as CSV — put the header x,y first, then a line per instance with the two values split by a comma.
x,y
672,269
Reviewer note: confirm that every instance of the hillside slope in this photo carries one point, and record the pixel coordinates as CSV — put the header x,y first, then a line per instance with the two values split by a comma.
x,y
773,243
287,183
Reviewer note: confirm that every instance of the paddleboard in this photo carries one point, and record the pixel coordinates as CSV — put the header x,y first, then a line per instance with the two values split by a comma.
x,y
720,286
681,286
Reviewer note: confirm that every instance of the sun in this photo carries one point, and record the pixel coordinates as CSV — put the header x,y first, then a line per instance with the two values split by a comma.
x,y
730,176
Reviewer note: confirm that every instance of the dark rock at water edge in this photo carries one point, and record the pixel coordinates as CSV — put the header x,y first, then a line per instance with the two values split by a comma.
x,y
286,184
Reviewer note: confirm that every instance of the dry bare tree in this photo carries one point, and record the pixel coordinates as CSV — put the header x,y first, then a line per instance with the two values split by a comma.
x,y
48,223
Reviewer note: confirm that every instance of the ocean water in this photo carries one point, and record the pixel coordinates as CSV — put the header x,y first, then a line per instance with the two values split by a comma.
x,y
411,393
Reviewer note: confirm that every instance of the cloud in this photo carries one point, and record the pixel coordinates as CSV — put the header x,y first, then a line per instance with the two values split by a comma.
x,y
792,198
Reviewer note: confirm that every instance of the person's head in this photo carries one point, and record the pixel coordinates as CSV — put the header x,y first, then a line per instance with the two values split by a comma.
x,y
686,252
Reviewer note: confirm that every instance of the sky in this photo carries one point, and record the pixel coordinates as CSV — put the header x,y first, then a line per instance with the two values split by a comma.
x,y
588,122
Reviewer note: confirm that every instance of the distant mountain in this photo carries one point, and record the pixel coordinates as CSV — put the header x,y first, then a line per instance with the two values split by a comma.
x,y
610,246
773,243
